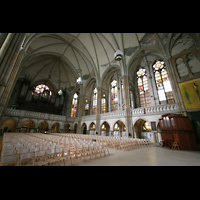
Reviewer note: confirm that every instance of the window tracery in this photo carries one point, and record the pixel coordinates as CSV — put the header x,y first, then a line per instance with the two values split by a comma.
x,y
114,96
42,90
74,105
143,88
162,83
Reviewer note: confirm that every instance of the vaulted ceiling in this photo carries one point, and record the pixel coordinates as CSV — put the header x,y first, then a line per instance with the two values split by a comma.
x,y
63,57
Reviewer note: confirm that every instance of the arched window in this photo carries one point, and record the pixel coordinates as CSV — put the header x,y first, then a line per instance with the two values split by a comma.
x,y
122,94
42,90
94,108
143,88
162,83
114,98
74,105
103,105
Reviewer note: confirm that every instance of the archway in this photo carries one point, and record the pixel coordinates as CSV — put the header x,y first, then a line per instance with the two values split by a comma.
x,y
119,129
84,128
158,135
55,128
142,129
67,128
105,129
92,129
8,125
75,128
30,126
43,126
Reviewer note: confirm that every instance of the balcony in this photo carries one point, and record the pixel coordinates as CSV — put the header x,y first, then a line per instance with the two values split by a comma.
x,y
153,110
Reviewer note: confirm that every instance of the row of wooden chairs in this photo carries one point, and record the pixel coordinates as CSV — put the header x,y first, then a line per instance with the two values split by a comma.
x,y
54,156
112,142
16,150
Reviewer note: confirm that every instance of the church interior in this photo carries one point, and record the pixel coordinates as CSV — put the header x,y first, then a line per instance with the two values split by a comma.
x,y
104,93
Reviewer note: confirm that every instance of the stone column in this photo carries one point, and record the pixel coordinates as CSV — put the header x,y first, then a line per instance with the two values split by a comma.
x,y
128,116
3,37
7,91
152,85
5,46
10,57
98,114
80,109
175,88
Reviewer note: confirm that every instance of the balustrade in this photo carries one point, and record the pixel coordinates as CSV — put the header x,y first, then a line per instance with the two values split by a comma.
x,y
158,109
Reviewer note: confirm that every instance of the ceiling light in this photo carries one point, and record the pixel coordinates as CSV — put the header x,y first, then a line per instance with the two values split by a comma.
x,y
118,55
60,92
79,80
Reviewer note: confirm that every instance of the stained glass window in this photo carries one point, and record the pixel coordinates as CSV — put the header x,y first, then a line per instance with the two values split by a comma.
x,y
114,97
162,83
103,105
143,88
74,105
42,90
94,108
122,93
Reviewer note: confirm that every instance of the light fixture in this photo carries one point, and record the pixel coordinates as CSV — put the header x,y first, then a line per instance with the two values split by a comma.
x,y
118,55
75,96
60,92
95,90
79,80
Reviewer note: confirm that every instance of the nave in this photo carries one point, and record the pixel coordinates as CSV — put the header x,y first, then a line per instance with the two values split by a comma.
x,y
37,149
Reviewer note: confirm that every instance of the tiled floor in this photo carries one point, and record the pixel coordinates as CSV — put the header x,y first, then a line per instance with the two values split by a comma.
x,y
146,156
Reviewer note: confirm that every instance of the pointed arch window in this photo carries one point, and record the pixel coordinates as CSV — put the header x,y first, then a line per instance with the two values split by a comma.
x,y
103,105
122,94
143,88
74,105
94,108
162,83
114,96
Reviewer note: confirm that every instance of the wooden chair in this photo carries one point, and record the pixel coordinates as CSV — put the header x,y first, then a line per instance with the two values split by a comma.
x,y
51,156
98,149
92,150
40,158
175,145
33,150
60,155
10,160
21,151
27,159
86,151
66,152
8,152
79,152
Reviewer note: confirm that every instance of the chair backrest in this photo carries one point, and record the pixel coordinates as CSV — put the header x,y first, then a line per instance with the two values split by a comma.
x,y
30,157
10,160
39,153
8,152
59,150
22,151
50,151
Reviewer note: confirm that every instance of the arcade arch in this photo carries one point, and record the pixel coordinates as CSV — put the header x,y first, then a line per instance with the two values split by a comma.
x,y
55,128
119,129
43,126
142,129
105,129
30,126
8,125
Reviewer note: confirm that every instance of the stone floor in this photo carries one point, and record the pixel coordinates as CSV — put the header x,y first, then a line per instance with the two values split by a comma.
x,y
146,156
